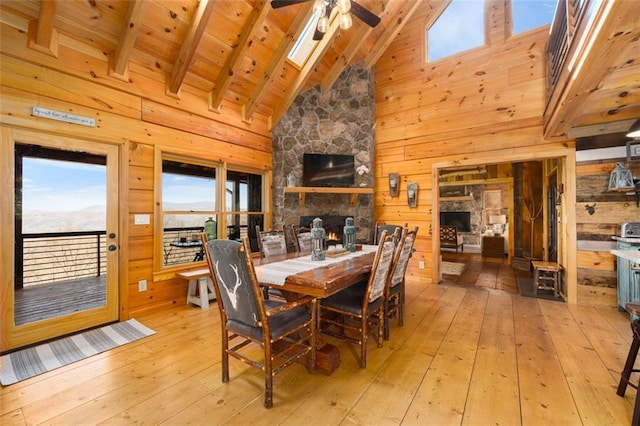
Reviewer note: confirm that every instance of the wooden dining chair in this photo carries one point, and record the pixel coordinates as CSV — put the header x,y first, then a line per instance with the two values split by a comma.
x,y
271,242
302,236
394,230
360,309
285,332
395,288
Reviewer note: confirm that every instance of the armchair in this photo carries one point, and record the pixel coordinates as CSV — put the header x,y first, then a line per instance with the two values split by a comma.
x,y
449,238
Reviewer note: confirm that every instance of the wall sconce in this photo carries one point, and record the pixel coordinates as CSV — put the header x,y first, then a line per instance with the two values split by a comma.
x,y
412,194
394,184
621,178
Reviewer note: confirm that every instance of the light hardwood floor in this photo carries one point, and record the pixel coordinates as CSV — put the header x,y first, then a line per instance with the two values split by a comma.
x,y
464,356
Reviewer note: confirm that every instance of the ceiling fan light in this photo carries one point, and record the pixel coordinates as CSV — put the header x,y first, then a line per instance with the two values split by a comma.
x,y
344,5
323,23
319,8
634,130
345,21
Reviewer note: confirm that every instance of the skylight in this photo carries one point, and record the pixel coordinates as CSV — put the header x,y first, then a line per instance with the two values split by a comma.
x,y
305,44
529,14
460,27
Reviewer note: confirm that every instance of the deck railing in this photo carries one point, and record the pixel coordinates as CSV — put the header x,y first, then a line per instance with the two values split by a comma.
x,y
60,256
51,257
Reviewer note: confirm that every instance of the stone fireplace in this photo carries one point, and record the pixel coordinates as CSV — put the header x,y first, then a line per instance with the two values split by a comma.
x,y
340,121
333,226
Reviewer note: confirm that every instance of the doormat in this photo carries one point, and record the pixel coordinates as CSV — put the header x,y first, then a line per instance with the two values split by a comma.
x,y
525,285
30,362
452,268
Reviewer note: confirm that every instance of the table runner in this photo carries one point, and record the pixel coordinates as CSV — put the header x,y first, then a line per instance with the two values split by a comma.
x,y
277,272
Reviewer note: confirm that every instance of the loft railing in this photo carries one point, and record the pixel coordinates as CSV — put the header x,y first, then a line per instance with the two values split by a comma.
x,y
568,17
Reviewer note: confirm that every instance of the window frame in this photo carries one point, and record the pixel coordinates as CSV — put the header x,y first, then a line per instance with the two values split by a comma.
x,y
162,271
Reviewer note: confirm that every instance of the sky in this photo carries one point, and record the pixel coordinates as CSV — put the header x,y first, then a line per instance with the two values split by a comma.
x,y
62,186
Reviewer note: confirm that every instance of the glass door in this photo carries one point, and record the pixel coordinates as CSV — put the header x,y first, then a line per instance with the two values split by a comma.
x,y
65,226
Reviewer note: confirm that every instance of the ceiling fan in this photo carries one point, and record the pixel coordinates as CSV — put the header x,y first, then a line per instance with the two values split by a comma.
x,y
324,8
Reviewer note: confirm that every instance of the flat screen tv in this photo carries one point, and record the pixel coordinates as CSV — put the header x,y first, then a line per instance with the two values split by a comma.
x,y
461,220
332,170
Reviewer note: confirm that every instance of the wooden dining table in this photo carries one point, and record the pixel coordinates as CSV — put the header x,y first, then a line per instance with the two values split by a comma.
x,y
321,281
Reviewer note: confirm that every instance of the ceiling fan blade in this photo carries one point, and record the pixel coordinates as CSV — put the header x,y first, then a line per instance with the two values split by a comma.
x,y
364,15
275,4
317,35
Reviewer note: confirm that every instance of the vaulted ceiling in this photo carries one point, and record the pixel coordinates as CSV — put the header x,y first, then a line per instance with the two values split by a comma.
x,y
232,51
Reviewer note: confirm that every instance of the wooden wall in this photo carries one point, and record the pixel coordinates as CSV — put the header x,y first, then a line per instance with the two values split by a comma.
x,y
484,106
139,118
599,214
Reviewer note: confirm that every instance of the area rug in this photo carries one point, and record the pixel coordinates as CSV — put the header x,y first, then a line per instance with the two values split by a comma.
x,y
35,360
452,268
525,284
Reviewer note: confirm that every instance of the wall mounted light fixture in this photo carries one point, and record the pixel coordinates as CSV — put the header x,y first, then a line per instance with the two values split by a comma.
x,y
394,184
621,178
412,194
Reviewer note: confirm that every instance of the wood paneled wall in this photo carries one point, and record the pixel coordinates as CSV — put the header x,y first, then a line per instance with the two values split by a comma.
x,y
138,117
481,106
599,214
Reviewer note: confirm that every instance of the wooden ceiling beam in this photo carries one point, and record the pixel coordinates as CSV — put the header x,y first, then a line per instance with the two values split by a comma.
x,y
43,35
401,18
119,60
276,62
257,16
189,46
306,71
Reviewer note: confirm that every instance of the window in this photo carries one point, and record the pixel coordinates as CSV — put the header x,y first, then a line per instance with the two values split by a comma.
x,y
191,198
460,27
244,206
188,200
529,14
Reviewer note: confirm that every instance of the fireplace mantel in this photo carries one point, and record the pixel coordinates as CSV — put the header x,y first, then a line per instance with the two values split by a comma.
x,y
302,191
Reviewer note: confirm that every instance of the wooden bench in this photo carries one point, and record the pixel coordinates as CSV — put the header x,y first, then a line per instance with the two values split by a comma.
x,y
200,290
449,238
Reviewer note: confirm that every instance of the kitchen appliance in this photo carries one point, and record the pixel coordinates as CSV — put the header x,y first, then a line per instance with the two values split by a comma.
x,y
628,271
630,230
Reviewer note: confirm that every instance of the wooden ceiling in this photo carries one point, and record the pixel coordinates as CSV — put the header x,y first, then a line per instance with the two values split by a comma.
x,y
232,51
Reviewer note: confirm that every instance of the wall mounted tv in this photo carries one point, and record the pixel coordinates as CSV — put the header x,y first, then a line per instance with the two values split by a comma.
x,y
461,220
332,170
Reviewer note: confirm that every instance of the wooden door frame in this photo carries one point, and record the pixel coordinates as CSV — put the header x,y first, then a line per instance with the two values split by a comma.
x,y
567,227
13,336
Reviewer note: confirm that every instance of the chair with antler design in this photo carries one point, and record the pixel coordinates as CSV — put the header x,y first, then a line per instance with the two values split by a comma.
x,y
284,331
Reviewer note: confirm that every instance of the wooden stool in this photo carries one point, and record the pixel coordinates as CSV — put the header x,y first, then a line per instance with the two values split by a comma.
x,y
632,308
546,276
200,290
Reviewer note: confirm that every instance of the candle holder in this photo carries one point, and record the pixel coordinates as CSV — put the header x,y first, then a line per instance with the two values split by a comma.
x,y
318,237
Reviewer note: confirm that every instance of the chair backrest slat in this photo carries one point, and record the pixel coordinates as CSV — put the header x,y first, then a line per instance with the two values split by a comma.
x,y
403,253
381,267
